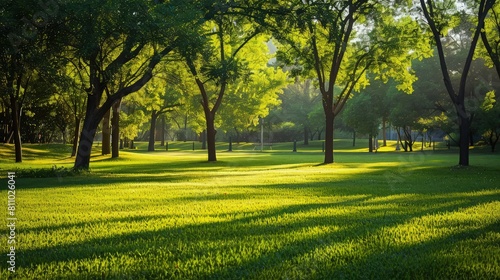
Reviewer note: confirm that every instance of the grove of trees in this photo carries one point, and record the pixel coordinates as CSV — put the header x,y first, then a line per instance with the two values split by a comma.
x,y
77,71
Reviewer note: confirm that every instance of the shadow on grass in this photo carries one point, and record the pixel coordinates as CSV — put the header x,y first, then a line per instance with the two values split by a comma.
x,y
269,243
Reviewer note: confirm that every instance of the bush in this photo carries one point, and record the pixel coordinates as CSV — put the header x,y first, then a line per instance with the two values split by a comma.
x,y
53,172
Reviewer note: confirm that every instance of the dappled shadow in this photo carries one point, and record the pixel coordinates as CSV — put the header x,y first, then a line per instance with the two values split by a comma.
x,y
341,209
288,225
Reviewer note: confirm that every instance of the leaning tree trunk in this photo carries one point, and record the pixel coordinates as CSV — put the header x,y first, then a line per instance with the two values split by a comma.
x,y
87,135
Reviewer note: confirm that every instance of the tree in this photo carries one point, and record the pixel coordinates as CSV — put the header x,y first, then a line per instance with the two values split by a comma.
x,y
298,103
132,118
489,120
215,61
70,92
440,18
110,37
250,99
27,46
340,41
490,35
362,117
160,96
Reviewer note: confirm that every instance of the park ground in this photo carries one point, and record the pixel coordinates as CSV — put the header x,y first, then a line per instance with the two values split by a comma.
x,y
274,214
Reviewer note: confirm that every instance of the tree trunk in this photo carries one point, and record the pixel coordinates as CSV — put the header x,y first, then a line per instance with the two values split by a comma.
x,y
89,129
185,128
464,125
16,128
163,132
329,121
106,134
152,130
212,154
115,132
64,136
384,131
75,136
370,143
354,138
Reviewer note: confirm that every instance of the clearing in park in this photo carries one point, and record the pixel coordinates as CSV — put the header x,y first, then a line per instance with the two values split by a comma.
x,y
254,215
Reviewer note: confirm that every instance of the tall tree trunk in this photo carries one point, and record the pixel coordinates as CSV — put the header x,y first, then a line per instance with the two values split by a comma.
x,y
354,138
76,136
64,136
106,134
89,129
115,132
384,131
152,130
370,143
185,128
329,121
464,126
16,128
212,154
163,131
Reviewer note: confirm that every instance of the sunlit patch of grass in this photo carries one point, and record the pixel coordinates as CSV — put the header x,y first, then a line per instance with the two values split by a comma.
x,y
256,215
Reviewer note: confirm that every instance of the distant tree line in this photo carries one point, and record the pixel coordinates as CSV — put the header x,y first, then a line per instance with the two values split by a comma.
x,y
118,71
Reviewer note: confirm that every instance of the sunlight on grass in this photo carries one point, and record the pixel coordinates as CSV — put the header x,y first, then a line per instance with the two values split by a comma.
x,y
256,215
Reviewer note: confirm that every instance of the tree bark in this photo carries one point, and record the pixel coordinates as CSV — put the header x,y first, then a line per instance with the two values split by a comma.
x,y
16,128
329,122
106,134
163,131
212,154
152,130
370,143
464,126
89,129
384,131
458,99
115,132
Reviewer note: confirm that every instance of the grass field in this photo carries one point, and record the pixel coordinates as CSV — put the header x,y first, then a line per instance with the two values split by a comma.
x,y
254,215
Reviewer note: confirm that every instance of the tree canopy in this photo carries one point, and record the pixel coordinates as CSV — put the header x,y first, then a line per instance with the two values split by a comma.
x,y
211,67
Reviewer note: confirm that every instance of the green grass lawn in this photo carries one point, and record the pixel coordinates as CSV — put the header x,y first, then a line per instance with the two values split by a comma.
x,y
255,215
